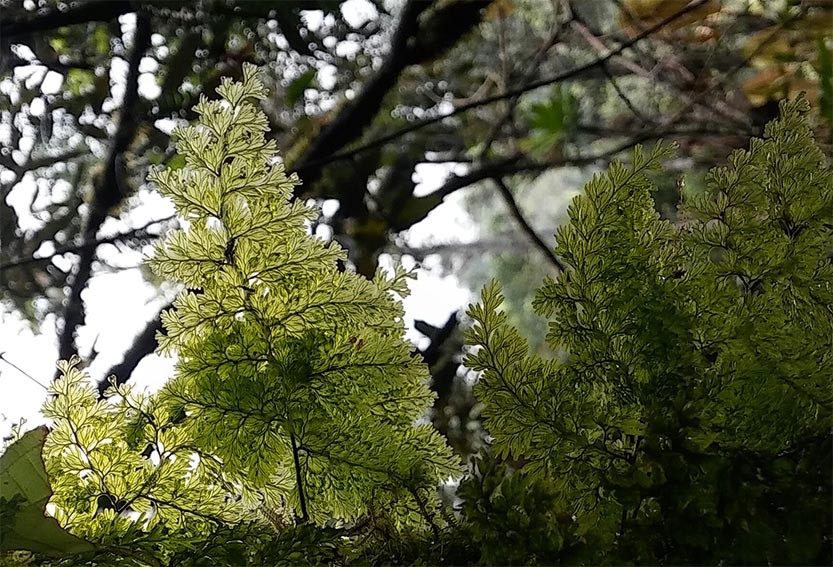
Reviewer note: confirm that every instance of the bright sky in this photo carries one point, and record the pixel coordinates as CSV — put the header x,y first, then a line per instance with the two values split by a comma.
x,y
119,303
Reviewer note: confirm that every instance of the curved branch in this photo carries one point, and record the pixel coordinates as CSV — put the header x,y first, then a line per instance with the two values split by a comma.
x,y
516,213
311,165
351,122
108,192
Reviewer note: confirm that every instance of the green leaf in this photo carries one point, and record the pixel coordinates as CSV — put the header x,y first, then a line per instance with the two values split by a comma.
x,y
295,90
24,492
552,120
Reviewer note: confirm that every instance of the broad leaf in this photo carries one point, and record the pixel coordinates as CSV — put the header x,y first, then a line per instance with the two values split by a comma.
x,y
24,492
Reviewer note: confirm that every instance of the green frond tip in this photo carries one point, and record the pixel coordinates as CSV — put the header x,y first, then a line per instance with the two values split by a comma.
x,y
679,350
280,351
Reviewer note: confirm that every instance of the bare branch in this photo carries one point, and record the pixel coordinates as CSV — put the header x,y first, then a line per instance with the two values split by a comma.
x,y
516,213
144,344
146,341
108,193
559,77
94,11
351,122
19,369
44,161
138,232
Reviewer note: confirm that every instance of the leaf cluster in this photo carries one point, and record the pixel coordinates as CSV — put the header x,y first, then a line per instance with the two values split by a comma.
x,y
295,399
696,360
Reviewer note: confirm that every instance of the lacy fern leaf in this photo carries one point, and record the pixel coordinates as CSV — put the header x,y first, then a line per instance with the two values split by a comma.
x,y
682,352
289,370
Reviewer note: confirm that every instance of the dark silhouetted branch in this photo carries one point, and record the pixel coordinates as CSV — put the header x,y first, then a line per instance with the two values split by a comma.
x,y
350,123
516,213
94,11
44,161
312,164
108,191
144,344
138,232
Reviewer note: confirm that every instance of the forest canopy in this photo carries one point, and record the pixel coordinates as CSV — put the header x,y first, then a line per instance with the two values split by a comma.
x,y
651,386
292,418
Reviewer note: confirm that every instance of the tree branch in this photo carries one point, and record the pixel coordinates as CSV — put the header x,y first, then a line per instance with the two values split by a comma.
x,y
516,213
351,122
146,341
108,192
43,161
138,232
314,164
144,344
94,11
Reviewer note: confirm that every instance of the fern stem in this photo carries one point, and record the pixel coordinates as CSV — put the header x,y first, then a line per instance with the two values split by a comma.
x,y
424,510
298,478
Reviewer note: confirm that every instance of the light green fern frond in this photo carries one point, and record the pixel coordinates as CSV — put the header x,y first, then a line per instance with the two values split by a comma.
x,y
288,368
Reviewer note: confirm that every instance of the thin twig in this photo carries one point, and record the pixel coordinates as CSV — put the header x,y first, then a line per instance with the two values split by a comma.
x,y
516,213
19,369
138,232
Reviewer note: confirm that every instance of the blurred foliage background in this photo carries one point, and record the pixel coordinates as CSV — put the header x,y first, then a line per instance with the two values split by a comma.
x,y
512,104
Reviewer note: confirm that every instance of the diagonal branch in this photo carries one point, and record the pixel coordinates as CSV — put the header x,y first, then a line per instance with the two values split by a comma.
x,y
138,232
108,192
313,164
516,213
349,125
144,344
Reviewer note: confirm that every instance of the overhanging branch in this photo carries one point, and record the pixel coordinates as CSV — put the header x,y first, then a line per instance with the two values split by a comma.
x,y
350,123
107,193
94,11
314,164
516,213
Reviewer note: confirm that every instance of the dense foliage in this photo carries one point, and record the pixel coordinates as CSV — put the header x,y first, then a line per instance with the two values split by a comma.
x,y
684,416
688,416
295,395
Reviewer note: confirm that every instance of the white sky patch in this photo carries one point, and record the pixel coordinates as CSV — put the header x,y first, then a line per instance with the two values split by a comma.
x,y
149,87
431,176
19,198
52,83
118,76
24,52
326,77
128,23
119,304
37,106
330,207
358,12
347,48
148,65
313,19
36,354
166,125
